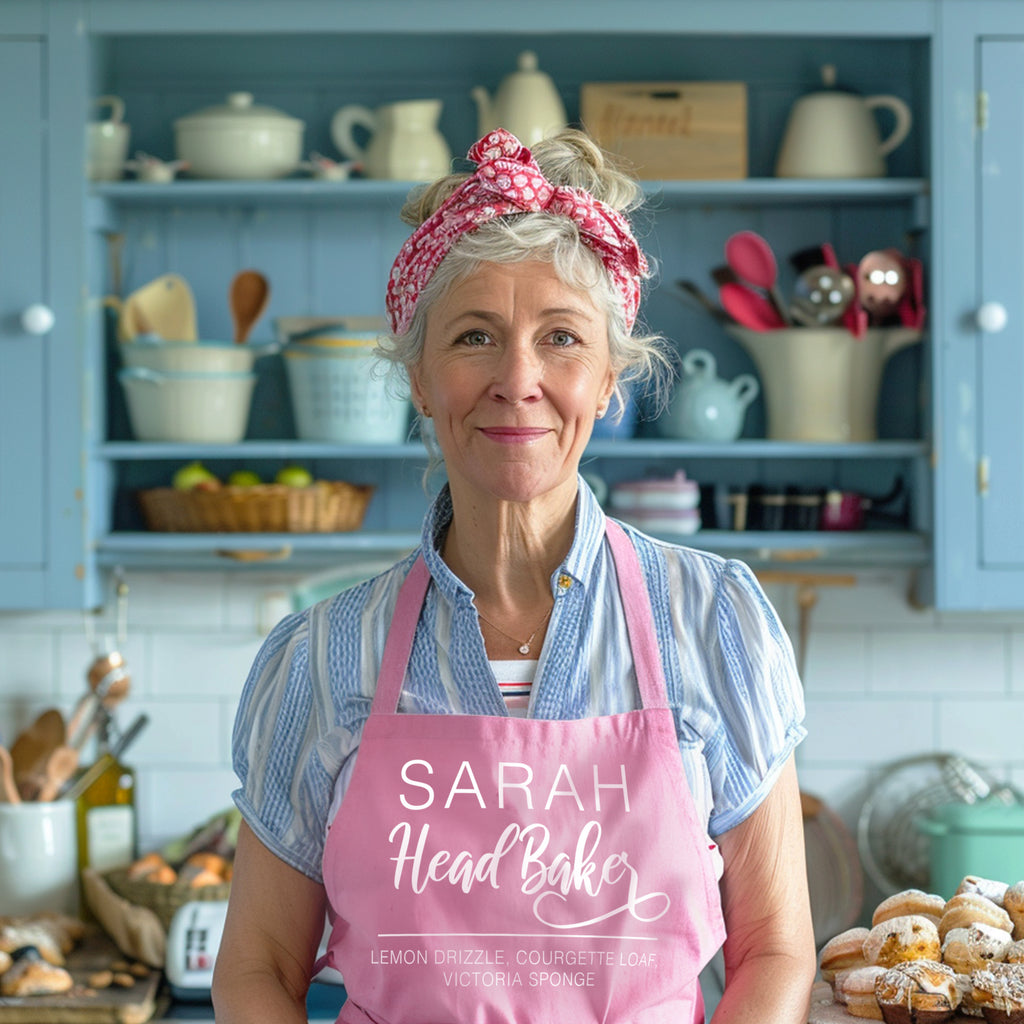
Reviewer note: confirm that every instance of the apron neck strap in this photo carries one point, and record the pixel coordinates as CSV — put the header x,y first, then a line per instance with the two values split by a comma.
x,y
636,604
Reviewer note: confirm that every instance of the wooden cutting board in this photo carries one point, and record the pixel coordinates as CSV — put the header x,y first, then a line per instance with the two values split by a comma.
x,y
81,1005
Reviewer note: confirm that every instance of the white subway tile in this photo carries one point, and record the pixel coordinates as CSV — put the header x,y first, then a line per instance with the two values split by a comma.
x,y
172,802
984,729
165,600
865,732
938,662
1017,662
180,734
194,664
27,665
836,662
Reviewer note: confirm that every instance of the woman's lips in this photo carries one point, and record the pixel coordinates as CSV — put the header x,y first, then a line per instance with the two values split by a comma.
x,y
513,435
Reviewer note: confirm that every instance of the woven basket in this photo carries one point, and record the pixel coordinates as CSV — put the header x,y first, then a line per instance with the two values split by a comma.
x,y
163,900
323,507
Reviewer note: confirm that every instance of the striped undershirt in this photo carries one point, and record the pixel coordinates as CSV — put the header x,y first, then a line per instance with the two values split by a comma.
x,y
515,680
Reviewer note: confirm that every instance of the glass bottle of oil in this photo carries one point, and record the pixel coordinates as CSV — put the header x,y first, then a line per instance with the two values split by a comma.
x,y
107,831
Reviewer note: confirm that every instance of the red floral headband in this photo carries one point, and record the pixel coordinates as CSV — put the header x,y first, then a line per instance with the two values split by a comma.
x,y
508,181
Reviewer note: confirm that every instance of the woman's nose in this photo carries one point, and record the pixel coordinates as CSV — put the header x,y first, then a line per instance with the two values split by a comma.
x,y
518,373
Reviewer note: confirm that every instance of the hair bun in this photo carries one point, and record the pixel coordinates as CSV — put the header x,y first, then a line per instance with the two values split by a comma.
x,y
571,157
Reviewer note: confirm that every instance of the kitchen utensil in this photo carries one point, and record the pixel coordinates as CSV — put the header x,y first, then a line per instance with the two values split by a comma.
x,y
821,296
60,767
106,142
188,407
8,790
31,749
749,309
912,309
405,144
753,261
249,295
692,293
881,283
895,853
705,407
239,140
165,307
129,736
527,103
833,134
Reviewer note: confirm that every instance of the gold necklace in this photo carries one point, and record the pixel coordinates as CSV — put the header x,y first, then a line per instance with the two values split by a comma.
x,y
523,645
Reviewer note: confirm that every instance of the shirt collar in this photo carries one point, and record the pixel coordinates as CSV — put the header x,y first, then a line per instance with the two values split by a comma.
x,y
578,563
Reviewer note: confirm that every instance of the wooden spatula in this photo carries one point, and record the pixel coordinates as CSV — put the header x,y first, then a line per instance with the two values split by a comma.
x,y
164,307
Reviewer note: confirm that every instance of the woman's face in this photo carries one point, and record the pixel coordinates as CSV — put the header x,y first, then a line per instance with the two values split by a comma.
x,y
515,367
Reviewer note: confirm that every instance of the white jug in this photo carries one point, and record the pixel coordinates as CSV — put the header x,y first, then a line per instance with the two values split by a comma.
x,y
526,104
405,144
833,134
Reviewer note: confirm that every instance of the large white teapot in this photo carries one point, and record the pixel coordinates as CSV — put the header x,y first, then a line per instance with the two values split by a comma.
x,y
834,134
527,103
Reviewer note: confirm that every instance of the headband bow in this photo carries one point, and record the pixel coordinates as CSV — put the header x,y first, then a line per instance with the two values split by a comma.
x,y
508,181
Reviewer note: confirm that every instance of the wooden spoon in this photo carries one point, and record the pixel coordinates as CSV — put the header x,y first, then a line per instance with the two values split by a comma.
x,y
62,764
8,790
249,295
30,750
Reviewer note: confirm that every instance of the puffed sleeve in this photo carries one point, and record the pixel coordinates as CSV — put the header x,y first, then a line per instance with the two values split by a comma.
x,y
757,693
287,747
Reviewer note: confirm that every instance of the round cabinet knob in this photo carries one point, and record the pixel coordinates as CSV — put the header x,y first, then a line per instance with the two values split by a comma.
x,y
37,319
991,317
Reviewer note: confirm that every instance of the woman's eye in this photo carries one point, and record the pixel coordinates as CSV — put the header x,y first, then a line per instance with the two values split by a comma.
x,y
475,338
563,339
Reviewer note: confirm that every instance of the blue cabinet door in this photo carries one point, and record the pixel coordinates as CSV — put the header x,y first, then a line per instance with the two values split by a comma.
x,y
979,303
23,355
42,380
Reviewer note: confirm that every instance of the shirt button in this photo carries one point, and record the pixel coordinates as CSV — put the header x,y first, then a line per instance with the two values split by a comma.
x,y
564,581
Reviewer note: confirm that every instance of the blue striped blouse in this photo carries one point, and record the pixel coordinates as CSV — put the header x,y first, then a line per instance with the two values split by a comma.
x,y
729,669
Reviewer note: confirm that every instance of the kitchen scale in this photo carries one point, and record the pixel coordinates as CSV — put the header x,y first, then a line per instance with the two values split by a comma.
x,y
193,939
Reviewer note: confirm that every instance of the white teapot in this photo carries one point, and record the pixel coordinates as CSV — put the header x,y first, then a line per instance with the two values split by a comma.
x,y
705,407
526,104
833,134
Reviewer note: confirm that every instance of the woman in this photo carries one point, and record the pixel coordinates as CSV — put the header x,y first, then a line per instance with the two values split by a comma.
x,y
487,861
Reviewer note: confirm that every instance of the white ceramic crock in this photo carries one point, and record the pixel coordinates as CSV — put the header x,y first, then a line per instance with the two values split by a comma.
x,y
239,140
188,407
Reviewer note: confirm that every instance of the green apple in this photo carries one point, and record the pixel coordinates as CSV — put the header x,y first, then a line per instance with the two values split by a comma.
x,y
294,476
244,478
193,475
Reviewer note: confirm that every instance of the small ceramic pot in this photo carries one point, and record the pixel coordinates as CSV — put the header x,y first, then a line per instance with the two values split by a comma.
x,y
705,407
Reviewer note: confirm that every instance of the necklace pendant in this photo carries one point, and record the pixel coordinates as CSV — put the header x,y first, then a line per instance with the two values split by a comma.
x,y
524,648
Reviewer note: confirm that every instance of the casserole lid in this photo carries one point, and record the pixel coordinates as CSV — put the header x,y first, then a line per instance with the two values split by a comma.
x,y
239,112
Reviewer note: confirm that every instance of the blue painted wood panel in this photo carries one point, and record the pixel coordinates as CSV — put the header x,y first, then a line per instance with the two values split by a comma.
x,y
24,411
1001,354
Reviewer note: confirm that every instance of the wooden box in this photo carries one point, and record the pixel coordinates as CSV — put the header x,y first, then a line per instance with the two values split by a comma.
x,y
670,130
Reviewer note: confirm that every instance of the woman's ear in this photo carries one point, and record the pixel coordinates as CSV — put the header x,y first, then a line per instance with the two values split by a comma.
x,y
416,390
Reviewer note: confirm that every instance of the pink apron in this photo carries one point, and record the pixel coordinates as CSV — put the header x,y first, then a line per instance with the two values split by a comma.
x,y
491,870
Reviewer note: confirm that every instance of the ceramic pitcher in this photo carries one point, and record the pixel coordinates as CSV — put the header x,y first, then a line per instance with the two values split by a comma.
x,y
405,143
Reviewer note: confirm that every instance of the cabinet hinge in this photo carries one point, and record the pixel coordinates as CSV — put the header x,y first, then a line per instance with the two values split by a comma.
x,y
982,110
983,476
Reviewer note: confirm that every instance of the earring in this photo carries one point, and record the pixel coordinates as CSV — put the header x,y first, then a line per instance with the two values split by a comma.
x,y
601,412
